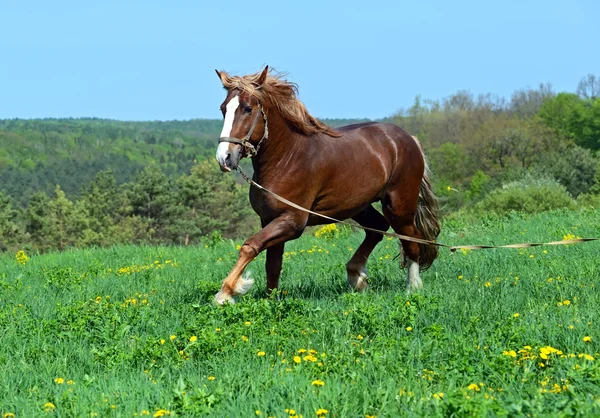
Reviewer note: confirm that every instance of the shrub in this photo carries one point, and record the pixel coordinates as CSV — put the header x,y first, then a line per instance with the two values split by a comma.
x,y
529,195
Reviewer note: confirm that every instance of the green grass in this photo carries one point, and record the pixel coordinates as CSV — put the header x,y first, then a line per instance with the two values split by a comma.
x,y
101,319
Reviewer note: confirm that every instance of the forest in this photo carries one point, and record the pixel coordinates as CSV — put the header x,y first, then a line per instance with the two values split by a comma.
x,y
80,182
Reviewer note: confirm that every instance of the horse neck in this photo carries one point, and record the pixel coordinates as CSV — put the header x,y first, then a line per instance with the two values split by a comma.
x,y
276,148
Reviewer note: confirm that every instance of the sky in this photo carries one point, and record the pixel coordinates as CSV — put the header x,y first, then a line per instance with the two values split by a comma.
x,y
155,60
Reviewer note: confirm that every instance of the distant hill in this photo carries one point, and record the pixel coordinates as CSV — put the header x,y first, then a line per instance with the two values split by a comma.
x,y
38,154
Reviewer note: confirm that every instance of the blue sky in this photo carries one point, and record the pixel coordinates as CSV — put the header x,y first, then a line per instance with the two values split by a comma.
x,y
155,60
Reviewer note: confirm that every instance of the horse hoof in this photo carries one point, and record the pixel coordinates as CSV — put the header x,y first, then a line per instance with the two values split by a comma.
x,y
358,282
223,298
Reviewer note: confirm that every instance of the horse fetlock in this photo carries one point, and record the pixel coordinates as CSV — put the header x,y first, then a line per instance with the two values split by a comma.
x,y
243,285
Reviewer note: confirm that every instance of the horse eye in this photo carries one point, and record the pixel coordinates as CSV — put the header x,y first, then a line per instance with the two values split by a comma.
x,y
248,109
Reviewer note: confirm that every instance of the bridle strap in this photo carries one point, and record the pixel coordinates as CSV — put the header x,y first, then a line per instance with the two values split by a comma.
x,y
251,149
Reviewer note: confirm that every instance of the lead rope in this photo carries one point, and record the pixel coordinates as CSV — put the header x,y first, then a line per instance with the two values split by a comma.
x,y
452,248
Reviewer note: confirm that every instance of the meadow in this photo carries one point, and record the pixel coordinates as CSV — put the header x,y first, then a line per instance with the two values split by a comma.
x,y
130,331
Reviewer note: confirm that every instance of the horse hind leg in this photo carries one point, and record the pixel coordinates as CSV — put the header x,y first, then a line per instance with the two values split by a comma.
x,y
356,267
401,216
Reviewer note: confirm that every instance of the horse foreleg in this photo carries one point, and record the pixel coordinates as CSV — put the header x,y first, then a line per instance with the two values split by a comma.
x,y
277,232
273,266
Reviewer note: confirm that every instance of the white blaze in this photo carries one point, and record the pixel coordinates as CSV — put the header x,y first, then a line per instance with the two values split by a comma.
x,y
227,126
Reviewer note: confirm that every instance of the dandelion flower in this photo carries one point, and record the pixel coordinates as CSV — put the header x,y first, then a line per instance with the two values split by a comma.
x,y
244,338
318,383
172,337
409,329
211,378
49,406
161,413
474,386
587,339
297,359
260,353
193,338
59,380
321,412
9,415
516,315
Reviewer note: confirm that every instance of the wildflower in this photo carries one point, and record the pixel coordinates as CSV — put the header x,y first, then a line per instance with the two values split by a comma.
x,y
162,341
193,339
359,337
530,255
172,337
9,415
587,339
49,406
260,353
297,359
318,383
321,412
566,302
70,382
257,412
438,396
290,411
161,413
310,358
409,329
247,323
488,284
302,350
516,315
460,277
510,353
474,387
59,380
211,378
244,338
21,257
217,329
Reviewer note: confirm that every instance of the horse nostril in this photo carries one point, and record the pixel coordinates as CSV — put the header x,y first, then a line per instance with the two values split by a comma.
x,y
228,158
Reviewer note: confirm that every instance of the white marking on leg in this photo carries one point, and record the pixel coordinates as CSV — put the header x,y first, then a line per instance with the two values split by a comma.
x,y
243,285
227,127
414,280
358,282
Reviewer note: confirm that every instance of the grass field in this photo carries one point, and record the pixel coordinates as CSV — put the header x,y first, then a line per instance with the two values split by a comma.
x,y
130,331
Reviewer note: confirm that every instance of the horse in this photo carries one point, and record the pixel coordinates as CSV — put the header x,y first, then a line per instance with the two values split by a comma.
x,y
336,172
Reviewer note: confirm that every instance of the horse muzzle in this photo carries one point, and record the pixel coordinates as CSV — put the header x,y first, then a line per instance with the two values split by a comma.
x,y
228,156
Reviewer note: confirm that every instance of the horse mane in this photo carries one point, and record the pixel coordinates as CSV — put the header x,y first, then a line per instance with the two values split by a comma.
x,y
283,95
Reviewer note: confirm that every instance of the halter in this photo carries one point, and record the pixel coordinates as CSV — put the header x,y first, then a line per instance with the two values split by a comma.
x,y
251,149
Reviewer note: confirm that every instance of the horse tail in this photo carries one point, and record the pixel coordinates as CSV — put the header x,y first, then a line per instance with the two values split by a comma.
x,y
426,219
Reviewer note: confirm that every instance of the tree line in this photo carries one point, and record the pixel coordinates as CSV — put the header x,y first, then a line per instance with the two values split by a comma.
x,y
79,182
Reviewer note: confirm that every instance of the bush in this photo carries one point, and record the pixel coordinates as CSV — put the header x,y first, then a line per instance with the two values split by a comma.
x,y
529,195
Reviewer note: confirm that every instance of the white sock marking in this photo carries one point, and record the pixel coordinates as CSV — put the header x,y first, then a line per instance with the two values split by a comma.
x,y
414,280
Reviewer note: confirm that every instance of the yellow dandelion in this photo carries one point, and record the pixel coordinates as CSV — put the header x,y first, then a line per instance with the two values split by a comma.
x,y
193,338
474,387
211,378
162,341
49,406
9,415
297,359
409,329
359,337
516,315
318,383
172,337
247,323
566,302
257,412
162,413
587,339
59,380
438,396
21,257
260,353
321,412
244,338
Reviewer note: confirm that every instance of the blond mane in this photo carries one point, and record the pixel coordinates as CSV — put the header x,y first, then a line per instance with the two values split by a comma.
x,y
281,94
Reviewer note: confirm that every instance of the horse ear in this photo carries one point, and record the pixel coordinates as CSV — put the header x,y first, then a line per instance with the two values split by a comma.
x,y
221,75
262,77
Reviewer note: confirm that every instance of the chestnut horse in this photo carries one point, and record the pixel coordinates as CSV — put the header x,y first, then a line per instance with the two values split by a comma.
x,y
335,172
